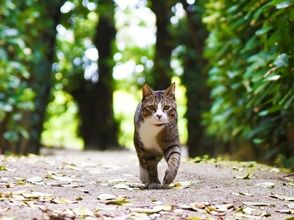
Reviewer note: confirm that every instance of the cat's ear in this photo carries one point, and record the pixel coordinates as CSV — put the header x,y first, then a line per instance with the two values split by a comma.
x,y
170,91
147,91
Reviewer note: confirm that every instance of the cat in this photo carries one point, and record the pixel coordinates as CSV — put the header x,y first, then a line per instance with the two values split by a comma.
x,y
156,135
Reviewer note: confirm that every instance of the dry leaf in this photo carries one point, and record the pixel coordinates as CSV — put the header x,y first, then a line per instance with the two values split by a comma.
x,y
193,218
287,198
106,197
83,211
36,195
199,205
37,180
256,203
242,194
286,211
62,201
152,210
61,178
266,185
224,207
117,180
244,177
3,209
118,201
3,168
182,184
122,186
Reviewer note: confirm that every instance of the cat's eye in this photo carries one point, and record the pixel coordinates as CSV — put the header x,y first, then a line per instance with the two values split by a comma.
x,y
151,107
167,107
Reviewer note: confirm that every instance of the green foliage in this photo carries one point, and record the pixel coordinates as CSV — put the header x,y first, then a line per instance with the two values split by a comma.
x,y
250,50
16,98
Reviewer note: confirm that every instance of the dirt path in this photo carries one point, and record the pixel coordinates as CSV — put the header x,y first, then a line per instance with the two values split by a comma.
x,y
105,185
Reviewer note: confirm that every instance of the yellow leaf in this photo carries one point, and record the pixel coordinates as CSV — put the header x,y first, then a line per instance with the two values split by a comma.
x,y
106,196
83,211
118,201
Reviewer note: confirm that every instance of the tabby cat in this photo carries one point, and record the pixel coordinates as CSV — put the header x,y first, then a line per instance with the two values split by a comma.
x,y
156,135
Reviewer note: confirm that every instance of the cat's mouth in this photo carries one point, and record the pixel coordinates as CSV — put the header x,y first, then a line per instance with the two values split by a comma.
x,y
158,125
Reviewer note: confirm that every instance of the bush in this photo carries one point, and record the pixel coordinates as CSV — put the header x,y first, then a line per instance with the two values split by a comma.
x,y
250,50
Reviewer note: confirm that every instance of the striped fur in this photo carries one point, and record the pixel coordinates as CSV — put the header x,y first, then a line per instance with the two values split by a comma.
x,y
156,135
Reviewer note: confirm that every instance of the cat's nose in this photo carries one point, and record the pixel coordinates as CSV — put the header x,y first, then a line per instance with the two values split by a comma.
x,y
159,116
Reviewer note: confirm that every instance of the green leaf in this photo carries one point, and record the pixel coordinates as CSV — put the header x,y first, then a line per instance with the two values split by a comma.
x,y
282,60
281,4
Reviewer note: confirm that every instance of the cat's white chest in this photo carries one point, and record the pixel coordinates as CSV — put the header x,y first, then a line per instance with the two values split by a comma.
x,y
148,134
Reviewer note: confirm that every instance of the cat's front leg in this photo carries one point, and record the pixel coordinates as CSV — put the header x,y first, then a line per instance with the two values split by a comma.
x,y
151,168
173,157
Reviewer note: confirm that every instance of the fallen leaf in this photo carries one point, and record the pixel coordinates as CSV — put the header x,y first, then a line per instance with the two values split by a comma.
x,y
36,195
287,198
61,178
256,203
193,218
286,211
244,177
83,211
106,197
118,201
129,186
248,210
122,186
3,168
62,201
4,209
20,182
37,180
245,216
117,180
251,213
274,170
199,205
182,184
137,185
152,210
224,207
242,194
266,185
157,202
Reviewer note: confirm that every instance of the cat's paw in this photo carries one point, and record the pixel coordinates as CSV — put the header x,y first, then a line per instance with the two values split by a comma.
x,y
154,186
169,176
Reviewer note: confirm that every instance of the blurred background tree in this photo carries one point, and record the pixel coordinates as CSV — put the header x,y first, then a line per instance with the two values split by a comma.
x,y
27,57
71,72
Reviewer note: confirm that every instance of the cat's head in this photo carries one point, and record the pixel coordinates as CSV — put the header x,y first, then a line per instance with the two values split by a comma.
x,y
159,107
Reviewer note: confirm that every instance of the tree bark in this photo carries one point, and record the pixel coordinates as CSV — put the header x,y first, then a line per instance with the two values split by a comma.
x,y
195,78
163,46
42,71
95,99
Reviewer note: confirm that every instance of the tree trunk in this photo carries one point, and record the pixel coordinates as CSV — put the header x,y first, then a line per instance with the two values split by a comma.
x,y
3,127
42,72
95,99
194,78
164,45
